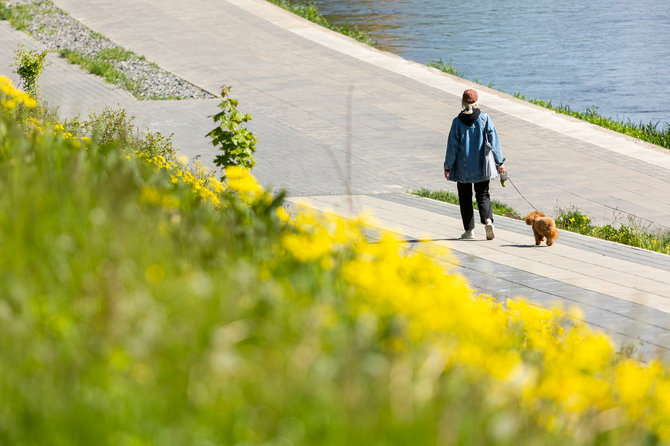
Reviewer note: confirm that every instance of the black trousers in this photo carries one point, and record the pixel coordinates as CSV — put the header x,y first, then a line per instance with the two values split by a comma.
x,y
483,203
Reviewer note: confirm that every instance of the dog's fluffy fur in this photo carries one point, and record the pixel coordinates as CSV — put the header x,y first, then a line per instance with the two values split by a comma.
x,y
543,226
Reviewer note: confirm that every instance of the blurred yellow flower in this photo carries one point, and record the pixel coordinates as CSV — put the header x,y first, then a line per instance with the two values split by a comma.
x,y
544,358
11,97
155,274
241,181
205,185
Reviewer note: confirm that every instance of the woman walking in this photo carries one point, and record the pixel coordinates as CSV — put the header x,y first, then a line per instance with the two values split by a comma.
x,y
464,163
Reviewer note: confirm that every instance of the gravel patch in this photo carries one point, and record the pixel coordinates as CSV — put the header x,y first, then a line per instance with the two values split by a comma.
x,y
58,31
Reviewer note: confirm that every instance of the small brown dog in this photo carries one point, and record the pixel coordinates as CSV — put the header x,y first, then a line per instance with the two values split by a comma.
x,y
543,226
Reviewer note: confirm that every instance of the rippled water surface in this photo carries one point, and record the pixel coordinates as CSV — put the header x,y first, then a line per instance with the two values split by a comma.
x,y
611,54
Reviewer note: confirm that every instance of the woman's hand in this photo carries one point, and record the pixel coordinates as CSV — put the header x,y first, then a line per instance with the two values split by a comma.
x,y
447,174
501,168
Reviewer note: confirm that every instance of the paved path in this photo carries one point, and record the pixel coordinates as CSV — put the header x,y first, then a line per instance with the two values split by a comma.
x,y
305,86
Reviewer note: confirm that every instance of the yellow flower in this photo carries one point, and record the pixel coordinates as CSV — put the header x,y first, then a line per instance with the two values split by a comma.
x,y
150,195
154,196
634,384
240,180
11,97
283,215
155,273
204,185
306,247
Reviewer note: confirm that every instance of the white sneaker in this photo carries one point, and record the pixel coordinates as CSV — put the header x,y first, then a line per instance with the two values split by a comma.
x,y
490,235
468,235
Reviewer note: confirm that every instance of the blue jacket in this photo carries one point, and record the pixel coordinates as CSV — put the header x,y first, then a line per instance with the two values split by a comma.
x,y
464,146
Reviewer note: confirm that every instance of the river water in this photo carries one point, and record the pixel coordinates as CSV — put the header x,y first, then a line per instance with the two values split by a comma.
x,y
611,54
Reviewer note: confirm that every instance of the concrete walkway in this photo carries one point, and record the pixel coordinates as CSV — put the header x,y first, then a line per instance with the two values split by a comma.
x,y
336,118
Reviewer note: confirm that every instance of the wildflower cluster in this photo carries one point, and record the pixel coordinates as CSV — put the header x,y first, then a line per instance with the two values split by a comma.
x,y
13,102
37,128
575,221
632,234
12,97
558,368
240,180
29,65
205,186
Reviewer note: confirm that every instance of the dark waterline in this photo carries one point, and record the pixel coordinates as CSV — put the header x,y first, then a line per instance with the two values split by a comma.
x,y
614,55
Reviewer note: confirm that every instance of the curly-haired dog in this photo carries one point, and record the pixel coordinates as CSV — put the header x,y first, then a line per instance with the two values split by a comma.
x,y
543,226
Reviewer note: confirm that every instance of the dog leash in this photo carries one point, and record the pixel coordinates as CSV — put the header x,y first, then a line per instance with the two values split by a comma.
x,y
517,189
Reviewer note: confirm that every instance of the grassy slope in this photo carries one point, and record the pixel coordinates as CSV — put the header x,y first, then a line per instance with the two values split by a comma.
x,y
134,311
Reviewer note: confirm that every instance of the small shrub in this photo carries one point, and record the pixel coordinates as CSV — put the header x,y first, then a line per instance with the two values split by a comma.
x,y
111,125
607,232
237,143
116,127
155,144
29,65
573,220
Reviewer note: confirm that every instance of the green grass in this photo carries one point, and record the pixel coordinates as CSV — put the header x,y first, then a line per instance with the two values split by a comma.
x,y
649,132
445,67
18,15
100,64
633,234
103,67
116,53
497,207
310,12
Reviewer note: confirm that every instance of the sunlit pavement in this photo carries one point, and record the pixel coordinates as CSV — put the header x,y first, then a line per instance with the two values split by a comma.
x,y
336,118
